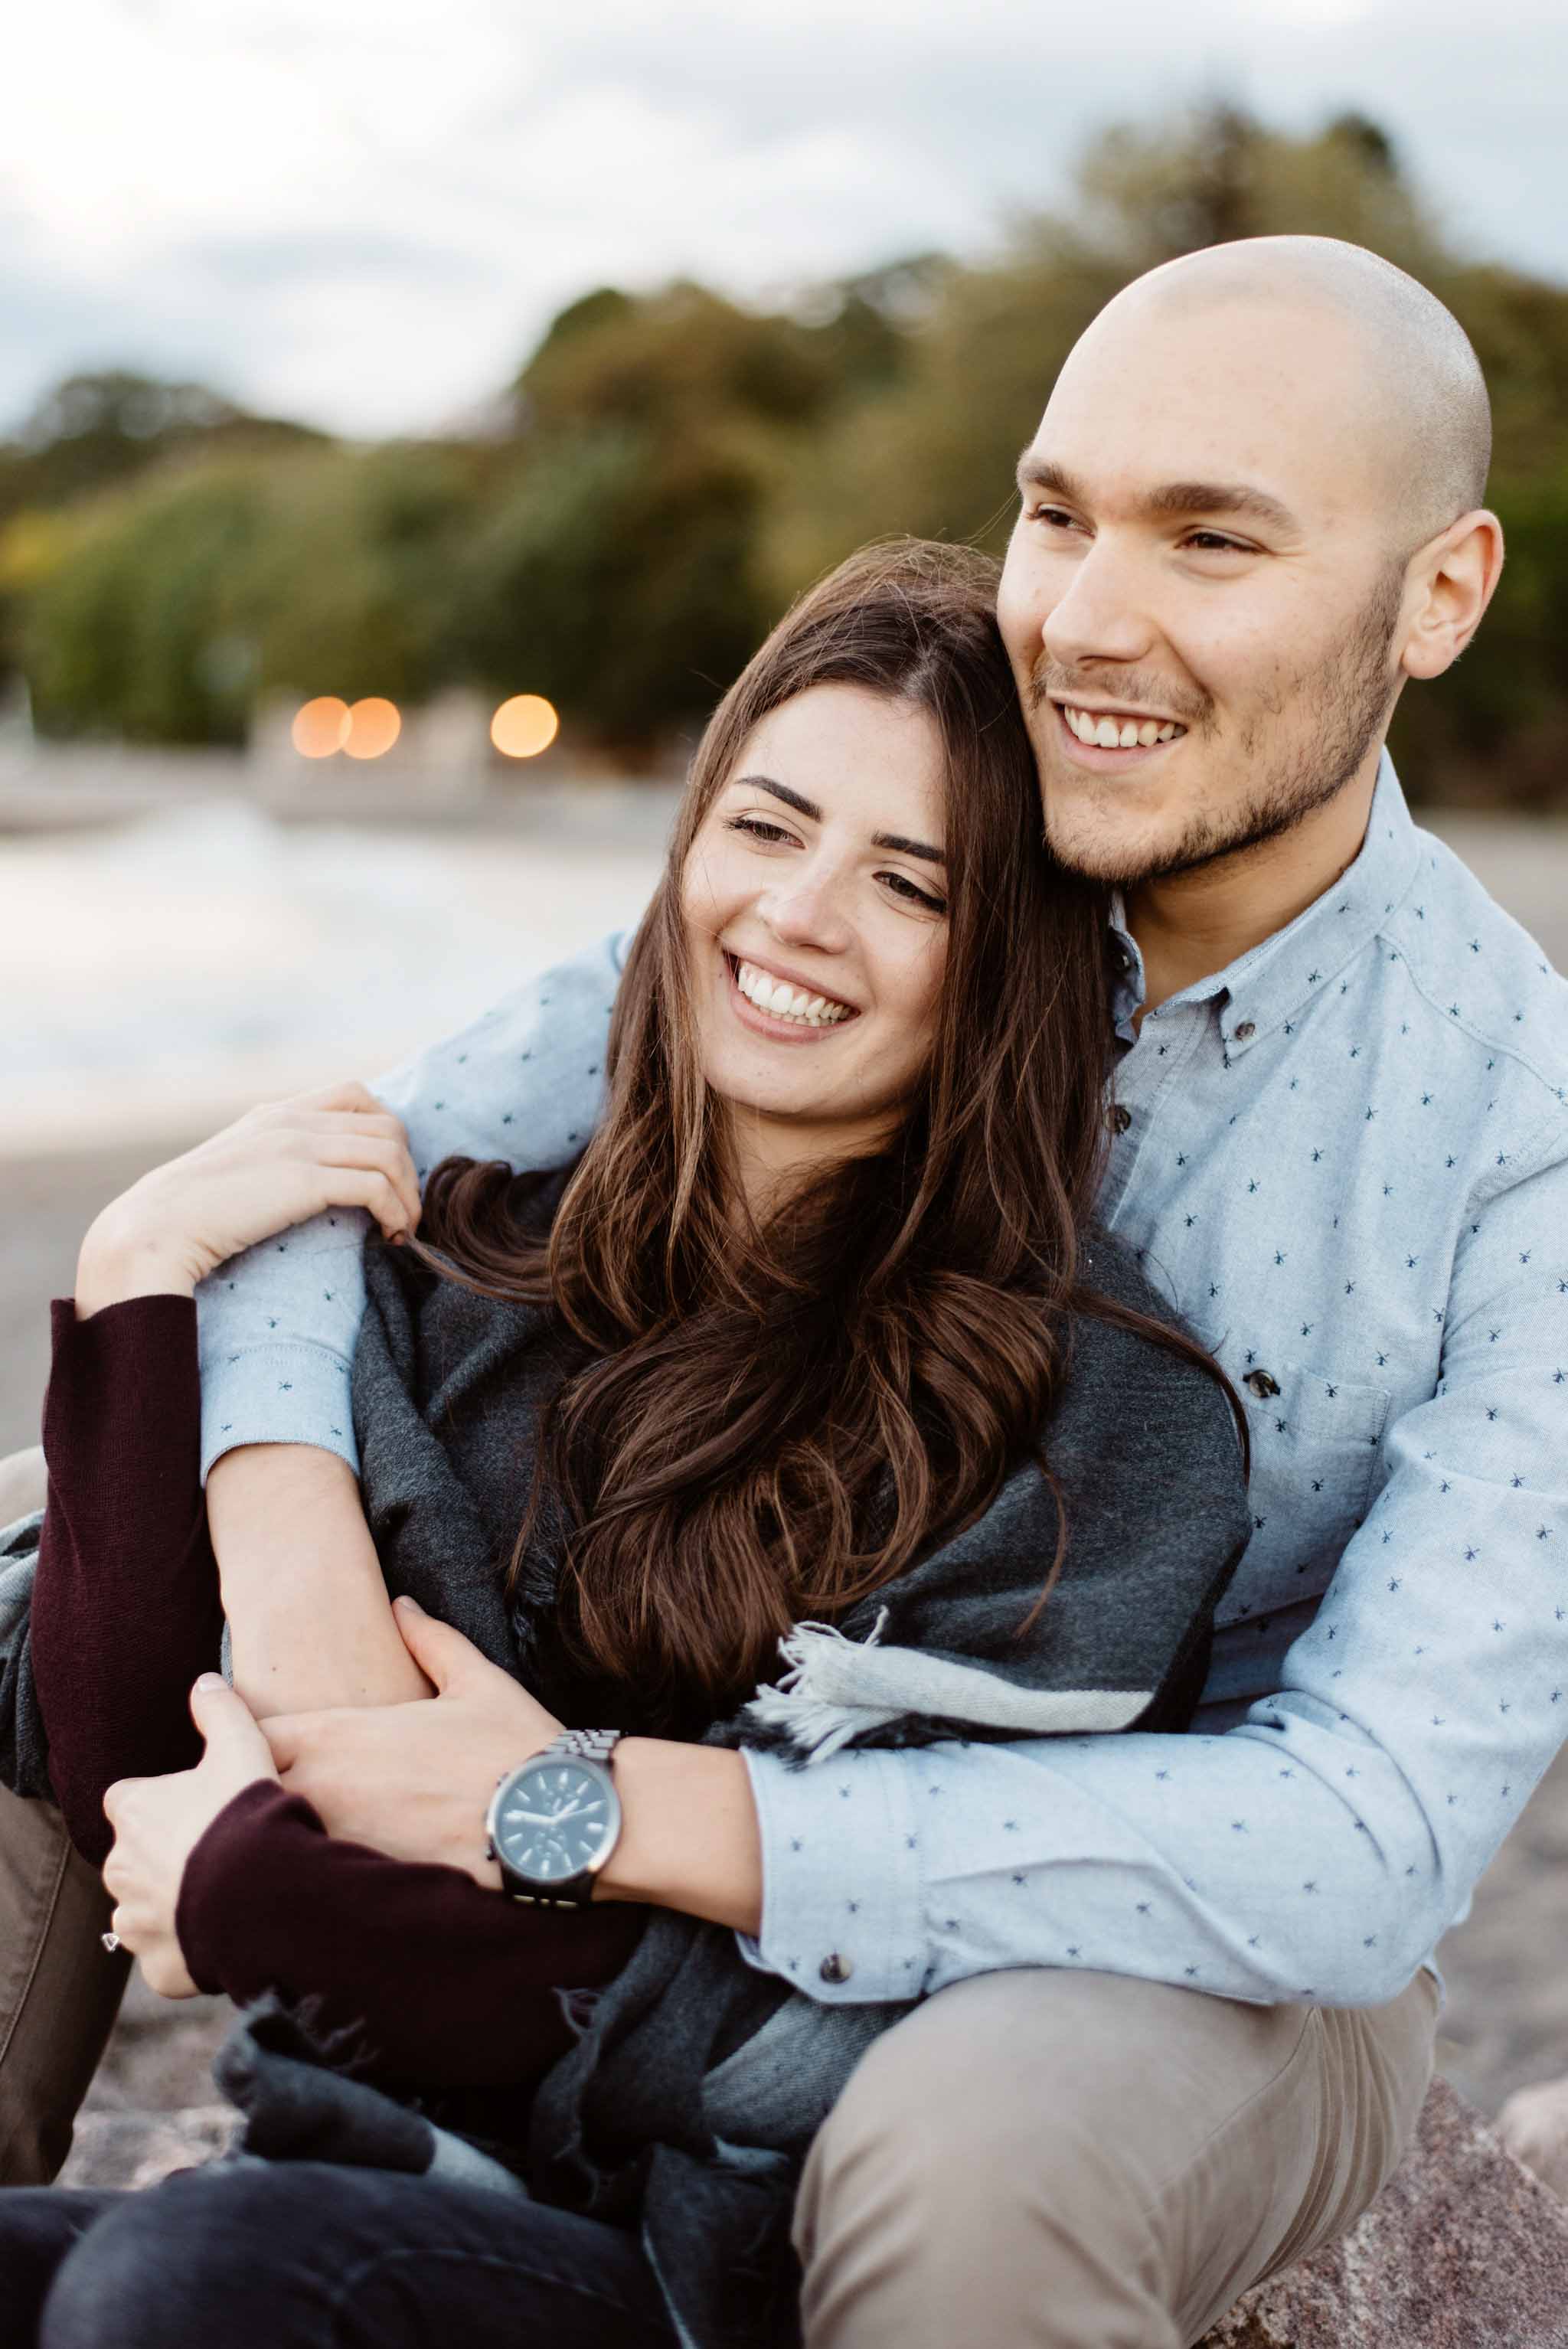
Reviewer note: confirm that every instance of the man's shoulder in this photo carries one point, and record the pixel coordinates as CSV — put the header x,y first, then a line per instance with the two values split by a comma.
x,y
524,1081
1484,978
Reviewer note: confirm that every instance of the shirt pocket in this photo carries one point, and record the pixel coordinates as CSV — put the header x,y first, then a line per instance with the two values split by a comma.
x,y
1314,1444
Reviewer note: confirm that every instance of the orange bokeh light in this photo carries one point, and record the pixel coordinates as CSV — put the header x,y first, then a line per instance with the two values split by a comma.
x,y
374,725
320,726
524,726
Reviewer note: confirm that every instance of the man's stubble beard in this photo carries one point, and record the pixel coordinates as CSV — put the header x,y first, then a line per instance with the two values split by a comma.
x,y
1354,691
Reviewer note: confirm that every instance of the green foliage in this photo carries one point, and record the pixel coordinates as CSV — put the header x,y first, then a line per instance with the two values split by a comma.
x,y
677,465
614,575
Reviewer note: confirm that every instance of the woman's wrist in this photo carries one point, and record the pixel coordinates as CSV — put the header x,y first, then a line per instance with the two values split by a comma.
x,y
118,1260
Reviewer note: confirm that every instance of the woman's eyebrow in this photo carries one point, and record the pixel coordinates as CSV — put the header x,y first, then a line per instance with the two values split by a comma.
x,y
895,840
797,799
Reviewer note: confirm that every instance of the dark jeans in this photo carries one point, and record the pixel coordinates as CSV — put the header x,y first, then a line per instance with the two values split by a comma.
x,y
311,2255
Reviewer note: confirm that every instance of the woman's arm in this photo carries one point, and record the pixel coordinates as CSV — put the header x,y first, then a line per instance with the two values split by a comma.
x,y
300,1583
125,1608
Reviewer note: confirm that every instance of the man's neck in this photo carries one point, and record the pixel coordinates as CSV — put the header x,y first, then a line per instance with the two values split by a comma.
x,y
1196,923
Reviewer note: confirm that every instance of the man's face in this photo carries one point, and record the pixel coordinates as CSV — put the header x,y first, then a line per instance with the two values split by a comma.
x,y
1202,597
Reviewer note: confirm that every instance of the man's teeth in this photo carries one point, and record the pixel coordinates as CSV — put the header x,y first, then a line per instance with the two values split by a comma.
x,y
786,1002
1119,733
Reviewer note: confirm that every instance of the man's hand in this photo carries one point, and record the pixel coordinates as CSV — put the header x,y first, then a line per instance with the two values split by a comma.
x,y
158,1822
415,1780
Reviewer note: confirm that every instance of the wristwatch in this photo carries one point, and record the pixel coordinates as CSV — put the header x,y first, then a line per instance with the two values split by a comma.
x,y
553,1822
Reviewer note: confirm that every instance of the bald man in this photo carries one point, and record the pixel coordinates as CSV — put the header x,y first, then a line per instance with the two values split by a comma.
x,y
1179,2009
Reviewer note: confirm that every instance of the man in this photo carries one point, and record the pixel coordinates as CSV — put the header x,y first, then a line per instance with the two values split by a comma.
x,y
1184,2025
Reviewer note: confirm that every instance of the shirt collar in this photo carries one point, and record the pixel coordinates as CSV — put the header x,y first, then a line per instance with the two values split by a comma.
x,y
1265,987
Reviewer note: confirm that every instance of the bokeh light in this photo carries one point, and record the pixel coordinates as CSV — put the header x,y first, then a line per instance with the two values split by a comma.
x,y
321,727
524,726
374,725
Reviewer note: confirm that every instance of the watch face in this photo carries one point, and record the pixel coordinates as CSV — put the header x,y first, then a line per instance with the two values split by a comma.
x,y
552,1820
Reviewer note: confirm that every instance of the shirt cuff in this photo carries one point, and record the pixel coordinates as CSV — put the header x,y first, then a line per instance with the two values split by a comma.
x,y
293,1393
842,1883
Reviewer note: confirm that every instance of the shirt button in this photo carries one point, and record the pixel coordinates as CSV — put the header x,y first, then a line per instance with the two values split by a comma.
x,y
1121,1117
1262,1384
835,1969
1246,1032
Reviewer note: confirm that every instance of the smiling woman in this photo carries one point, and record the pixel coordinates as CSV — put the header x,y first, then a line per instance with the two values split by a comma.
x,y
816,911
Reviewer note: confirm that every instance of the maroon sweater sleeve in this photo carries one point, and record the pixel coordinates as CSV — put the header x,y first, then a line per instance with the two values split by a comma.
x,y
126,1611
447,1984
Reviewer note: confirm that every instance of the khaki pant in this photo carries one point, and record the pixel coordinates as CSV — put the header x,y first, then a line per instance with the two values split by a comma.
x,y
1089,2162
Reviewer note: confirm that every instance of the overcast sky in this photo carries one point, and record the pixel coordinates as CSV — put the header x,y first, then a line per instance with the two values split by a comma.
x,y
362,212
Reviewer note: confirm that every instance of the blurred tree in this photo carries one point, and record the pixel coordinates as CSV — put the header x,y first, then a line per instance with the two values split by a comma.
x,y
92,432
614,575
671,467
125,627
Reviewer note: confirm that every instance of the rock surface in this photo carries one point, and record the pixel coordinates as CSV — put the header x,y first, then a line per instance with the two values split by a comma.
x,y
1462,2249
131,2148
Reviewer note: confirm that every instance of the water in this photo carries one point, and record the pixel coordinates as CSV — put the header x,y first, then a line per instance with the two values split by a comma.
x,y
169,973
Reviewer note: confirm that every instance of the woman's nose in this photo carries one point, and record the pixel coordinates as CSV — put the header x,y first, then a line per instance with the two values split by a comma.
x,y
808,909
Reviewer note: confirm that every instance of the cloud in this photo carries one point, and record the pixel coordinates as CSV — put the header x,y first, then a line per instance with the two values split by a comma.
x,y
364,211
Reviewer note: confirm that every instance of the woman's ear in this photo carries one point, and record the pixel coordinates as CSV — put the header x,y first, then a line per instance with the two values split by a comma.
x,y
1457,573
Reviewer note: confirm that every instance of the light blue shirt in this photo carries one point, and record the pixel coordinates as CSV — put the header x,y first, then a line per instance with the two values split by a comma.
x,y
1346,1160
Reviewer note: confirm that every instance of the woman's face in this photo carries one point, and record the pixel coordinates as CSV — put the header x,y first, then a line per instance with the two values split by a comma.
x,y
814,898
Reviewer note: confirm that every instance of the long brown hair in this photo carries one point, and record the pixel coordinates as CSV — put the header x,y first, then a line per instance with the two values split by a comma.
x,y
769,1423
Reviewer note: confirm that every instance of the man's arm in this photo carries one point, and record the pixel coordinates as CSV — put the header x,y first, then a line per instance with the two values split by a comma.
x,y
1319,1850
302,1589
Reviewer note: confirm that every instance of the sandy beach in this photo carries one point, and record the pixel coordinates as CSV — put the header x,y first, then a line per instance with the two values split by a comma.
x,y
1506,1968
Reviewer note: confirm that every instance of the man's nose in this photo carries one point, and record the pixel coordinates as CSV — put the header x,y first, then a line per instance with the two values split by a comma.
x,y
1102,612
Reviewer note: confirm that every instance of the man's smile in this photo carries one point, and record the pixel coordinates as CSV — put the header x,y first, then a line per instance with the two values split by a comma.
x,y
1109,740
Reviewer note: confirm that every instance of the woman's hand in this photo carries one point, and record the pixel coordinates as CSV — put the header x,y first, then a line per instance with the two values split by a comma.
x,y
415,1780
158,1822
275,1166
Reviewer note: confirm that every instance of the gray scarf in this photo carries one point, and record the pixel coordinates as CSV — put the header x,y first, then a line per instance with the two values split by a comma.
x,y
689,2101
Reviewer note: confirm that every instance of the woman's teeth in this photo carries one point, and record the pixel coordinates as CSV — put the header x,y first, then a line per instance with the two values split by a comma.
x,y
785,1002
1119,733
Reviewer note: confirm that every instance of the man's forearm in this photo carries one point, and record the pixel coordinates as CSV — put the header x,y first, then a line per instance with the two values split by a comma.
x,y
309,1619
689,1838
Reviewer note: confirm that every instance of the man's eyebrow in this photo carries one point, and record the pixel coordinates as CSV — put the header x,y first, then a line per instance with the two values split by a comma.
x,y
1040,473
893,839
1170,498
1220,498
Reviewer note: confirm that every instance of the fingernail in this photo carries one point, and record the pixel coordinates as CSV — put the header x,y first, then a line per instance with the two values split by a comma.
x,y
212,1680
412,1605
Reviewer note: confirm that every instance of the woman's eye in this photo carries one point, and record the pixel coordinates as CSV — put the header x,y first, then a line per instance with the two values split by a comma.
x,y
757,828
902,886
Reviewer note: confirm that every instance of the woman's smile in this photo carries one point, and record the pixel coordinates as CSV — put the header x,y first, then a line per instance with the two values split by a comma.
x,y
783,1004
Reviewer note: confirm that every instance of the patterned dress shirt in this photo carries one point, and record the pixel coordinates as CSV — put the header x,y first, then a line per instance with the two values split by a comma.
x,y
1345,1158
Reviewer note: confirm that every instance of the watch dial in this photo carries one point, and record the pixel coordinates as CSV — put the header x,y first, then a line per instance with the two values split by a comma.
x,y
554,1820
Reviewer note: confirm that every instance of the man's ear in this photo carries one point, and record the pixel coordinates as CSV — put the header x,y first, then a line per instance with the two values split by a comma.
x,y
1456,574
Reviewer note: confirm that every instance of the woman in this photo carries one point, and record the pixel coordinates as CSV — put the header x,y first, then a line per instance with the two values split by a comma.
x,y
810,1331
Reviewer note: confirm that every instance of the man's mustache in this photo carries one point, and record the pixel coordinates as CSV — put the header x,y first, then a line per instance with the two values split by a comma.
x,y
1049,681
